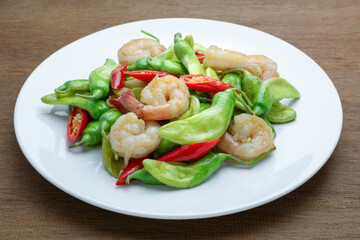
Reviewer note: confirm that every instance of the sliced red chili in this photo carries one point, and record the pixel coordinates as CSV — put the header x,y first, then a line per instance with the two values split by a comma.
x,y
134,165
200,56
78,121
118,76
189,152
145,75
204,83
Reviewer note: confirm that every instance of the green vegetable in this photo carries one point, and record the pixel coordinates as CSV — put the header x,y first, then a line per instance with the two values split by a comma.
x,y
112,165
186,55
90,136
71,87
137,92
143,176
190,40
94,107
109,61
204,106
234,79
106,121
211,73
184,175
140,64
272,90
207,125
194,108
99,81
165,147
280,113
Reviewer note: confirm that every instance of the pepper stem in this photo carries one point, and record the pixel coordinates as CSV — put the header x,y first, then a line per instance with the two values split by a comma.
x,y
240,99
150,35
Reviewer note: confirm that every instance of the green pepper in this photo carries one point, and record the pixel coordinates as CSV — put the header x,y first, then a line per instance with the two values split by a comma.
x,y
194,108
140,64
184,175
69,88
272,90
250,83
94,107
165,147
234,79
204,106
143,176
280,113
112,165
190,40
167,62
137,92
207,125
90,136
211,73
99,81
186,55
109,61
106,121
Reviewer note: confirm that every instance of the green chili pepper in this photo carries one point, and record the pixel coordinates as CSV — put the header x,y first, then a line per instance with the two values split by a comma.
x,y
186,55
199,48
109,61
143,176
140,64
167,62
90,136
137,92
165,147
106,121
234,79
272,90
211,73
250,83
207,125
190,40
69,88
112,165
94,107
280,113
99,81
194,108
204,106
184,175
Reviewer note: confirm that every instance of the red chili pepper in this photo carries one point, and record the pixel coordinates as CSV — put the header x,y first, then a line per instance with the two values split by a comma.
x,y
189,152
134,165
118,76
146,75
78,121
204,84
200,56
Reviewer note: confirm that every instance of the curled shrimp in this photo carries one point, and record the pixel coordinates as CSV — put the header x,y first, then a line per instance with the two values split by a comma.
x,y
223,59
131,137
247,138
139,48
165,98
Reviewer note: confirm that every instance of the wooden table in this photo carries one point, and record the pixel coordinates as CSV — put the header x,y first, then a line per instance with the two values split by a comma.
x,y
325,207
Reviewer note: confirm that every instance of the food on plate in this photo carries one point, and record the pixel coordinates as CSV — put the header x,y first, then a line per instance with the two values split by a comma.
x,y
172,115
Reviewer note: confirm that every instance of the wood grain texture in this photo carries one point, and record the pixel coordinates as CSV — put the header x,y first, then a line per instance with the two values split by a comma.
x,y
326,207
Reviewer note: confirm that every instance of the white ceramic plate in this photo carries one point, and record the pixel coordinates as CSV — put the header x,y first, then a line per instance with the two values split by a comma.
x,y
303,146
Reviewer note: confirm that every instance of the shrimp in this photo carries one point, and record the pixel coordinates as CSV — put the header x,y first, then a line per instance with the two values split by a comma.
x,y
166,98
223,59
131,137
248,138
268,74
139,48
